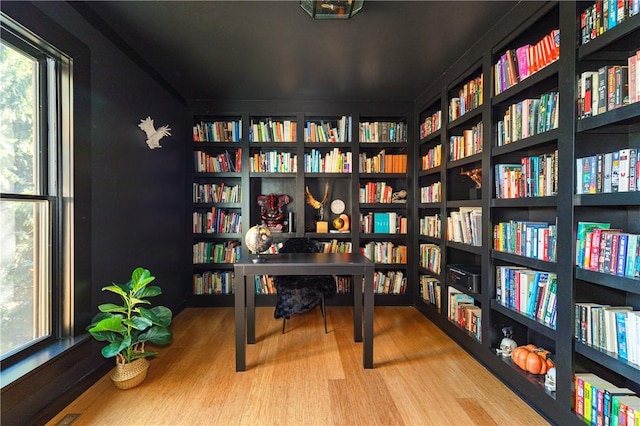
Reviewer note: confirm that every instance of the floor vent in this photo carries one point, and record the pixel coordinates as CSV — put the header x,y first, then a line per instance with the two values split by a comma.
x,y
68,419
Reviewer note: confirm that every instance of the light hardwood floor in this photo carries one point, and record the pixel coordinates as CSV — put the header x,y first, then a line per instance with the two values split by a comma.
x,y
307,377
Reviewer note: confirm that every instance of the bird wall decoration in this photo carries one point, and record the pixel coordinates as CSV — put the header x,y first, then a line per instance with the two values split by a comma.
x,y
153,135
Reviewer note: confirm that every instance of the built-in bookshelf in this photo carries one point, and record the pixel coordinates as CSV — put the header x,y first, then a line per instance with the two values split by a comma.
x,y
606,204
302,159
539,161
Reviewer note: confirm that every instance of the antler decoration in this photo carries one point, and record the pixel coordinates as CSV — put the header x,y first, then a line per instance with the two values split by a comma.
x,y
311,200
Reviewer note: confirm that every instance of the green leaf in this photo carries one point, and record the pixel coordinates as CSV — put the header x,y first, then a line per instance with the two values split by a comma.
x,y
135,301
159,315
99,317
139,323
105,336
115,288
109,324
156,334
110,307
137,355
111,349
149,291
140,278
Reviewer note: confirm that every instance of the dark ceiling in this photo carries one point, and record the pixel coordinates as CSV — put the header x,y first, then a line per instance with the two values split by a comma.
x,y
273,50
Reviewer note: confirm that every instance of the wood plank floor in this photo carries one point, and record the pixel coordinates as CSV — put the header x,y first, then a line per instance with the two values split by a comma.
x,y
307,377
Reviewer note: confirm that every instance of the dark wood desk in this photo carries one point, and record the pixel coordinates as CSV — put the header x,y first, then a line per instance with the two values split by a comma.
x,y
354,264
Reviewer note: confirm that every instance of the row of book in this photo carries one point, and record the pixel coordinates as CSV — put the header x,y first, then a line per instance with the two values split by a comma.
x,y
216,193
535,176
430,226
617,171
335,246
469,97
333,161
383,223
532,239
431,124
264,284
528,117
430,257
604,15
383,131
218,131
465,226
607,250
530,292
469,143
209,252
463,312
600,402
215,163
382,163
217,221
329,131
273,162
389,282
433,158
209,282
385,252
431,193
430,289
515,65
615,329
269,130
608,88
375,192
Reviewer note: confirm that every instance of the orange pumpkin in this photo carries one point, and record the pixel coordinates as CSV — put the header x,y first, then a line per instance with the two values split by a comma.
x,y
532,359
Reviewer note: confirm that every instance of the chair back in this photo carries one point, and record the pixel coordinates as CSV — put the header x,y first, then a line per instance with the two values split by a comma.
x,y
300,245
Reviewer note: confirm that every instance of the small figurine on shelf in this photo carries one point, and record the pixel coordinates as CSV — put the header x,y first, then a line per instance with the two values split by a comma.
x,y
271,210
507,345
476,176
322,226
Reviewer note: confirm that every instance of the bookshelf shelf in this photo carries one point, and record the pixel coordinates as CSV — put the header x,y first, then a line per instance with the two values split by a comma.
x,y
572,139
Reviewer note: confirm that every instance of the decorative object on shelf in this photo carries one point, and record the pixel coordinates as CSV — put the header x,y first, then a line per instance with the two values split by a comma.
x,y
476,176
533,359
129,326
322,226
399,196
331,9
507,345
153,135
258,239
337,206
271,210
550,380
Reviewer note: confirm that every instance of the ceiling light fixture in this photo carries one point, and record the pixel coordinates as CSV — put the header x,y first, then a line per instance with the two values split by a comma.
x,y
331,9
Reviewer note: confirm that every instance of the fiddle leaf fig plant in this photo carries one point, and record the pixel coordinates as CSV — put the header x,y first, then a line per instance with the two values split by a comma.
x,y
127,327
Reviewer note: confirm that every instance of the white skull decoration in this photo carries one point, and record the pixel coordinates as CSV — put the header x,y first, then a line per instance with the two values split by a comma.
x,y
507,345
550,380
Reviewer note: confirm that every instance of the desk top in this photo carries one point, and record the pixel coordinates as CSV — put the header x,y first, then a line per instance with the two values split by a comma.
x,y
306,264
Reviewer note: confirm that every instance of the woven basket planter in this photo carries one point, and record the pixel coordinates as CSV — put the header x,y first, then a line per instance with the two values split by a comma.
x,y
131,374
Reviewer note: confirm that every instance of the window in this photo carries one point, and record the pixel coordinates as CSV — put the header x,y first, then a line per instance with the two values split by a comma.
x,y
35,172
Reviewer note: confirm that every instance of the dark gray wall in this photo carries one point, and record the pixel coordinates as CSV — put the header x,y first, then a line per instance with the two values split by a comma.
x,y
131,201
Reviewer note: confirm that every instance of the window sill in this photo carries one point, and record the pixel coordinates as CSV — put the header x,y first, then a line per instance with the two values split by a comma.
x,y
39,359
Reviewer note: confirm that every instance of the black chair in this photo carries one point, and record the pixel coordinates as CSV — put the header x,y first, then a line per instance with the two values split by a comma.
x,y
301,293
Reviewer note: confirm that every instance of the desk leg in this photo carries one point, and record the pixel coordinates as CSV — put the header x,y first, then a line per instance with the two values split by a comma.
x,y
251,310
368,321
357,308
240,322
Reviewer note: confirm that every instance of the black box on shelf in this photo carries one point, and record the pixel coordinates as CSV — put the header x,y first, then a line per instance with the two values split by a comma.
x,y
465,276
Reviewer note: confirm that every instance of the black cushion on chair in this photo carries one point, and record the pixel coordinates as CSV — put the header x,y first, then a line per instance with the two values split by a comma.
x,y
300,293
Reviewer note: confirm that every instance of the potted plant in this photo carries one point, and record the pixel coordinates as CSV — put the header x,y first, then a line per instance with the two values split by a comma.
x,y
129,326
